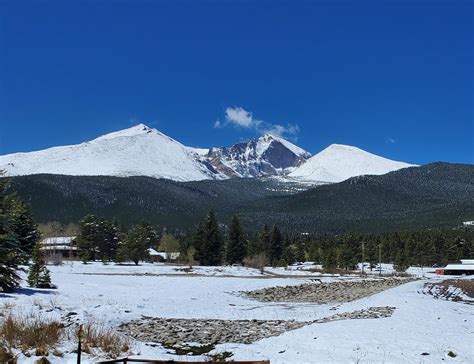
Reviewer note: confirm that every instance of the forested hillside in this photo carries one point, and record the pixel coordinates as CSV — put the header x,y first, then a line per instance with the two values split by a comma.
x,y
438,194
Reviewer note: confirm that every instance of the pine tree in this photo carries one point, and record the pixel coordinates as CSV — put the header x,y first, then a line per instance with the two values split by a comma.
x,y
39,276
329,261
86,240
10,253
208,243
18,235
235,248
264,241
139,239
276,244
106,240
23,226
98,239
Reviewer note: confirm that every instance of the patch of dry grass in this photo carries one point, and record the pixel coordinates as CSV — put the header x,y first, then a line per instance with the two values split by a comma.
x,y
95,335
29,332
32,331
7,357
467,286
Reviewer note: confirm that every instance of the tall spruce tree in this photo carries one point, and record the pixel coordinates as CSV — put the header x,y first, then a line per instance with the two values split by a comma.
x,y
330,261
39,275
265,241
87,238
276,245
23,226
10,252
98,239
139,239
235,249
208,243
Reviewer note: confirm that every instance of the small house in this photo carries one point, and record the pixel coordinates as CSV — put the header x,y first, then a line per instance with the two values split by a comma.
x,y
156,256
465,268
62,246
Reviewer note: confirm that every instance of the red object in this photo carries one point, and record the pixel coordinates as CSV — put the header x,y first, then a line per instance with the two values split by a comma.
x,y
439,271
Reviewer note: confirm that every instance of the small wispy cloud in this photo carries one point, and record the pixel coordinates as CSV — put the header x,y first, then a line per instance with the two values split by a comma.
x,y
241,118
391,140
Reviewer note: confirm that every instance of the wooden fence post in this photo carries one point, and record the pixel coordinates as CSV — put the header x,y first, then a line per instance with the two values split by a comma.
x,y
79,348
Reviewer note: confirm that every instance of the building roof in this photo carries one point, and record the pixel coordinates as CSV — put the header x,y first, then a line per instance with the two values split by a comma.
x,y
459,267
165,255
153,252
58,247
58,240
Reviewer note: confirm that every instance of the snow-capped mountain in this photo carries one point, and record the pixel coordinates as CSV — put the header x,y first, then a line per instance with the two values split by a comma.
x,y
144,151
136,151
339,162
268,155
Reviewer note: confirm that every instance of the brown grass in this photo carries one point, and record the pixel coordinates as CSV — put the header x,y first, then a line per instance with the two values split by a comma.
x,y
7,357
467,286
104,338
29,332
258,261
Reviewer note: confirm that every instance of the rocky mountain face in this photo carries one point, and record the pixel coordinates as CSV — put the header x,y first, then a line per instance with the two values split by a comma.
x,y
268,155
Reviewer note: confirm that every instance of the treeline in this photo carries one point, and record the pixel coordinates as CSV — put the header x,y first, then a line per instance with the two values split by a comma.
x,y
211,243
427,247
214,243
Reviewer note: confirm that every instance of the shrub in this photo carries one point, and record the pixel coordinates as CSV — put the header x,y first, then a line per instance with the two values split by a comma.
x,y
258,261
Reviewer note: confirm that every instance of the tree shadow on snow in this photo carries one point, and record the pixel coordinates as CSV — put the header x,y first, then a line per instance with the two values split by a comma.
x,y
27,292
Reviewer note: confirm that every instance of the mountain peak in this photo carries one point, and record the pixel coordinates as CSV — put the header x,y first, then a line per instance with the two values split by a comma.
x,y
138,129
269,137
339,162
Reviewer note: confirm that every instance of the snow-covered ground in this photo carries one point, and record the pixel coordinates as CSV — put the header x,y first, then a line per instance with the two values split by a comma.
x,y
114,294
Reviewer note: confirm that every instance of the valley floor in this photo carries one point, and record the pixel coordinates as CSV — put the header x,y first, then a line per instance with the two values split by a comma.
x,y
422,329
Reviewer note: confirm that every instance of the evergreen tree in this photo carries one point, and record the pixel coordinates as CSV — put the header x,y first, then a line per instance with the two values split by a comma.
x,y
39,276
139,239
106,240
10,252
276,244
98,239
235,249
264,241
23,226
329,261
208,243
289,254
87,238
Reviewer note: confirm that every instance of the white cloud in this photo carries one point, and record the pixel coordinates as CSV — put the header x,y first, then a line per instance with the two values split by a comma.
x,y
281,130
391,140
238,116
241,117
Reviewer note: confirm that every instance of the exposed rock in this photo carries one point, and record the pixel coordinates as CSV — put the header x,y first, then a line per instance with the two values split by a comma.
x,y
334,292
178,333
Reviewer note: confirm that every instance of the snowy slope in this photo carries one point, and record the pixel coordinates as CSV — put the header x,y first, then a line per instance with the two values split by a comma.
x,y
339,162
139,150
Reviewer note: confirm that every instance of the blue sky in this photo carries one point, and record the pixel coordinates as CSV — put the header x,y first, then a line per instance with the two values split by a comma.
x,y
392,77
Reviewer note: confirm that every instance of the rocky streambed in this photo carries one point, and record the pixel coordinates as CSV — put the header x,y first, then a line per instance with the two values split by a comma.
x,y
334,292
186,334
